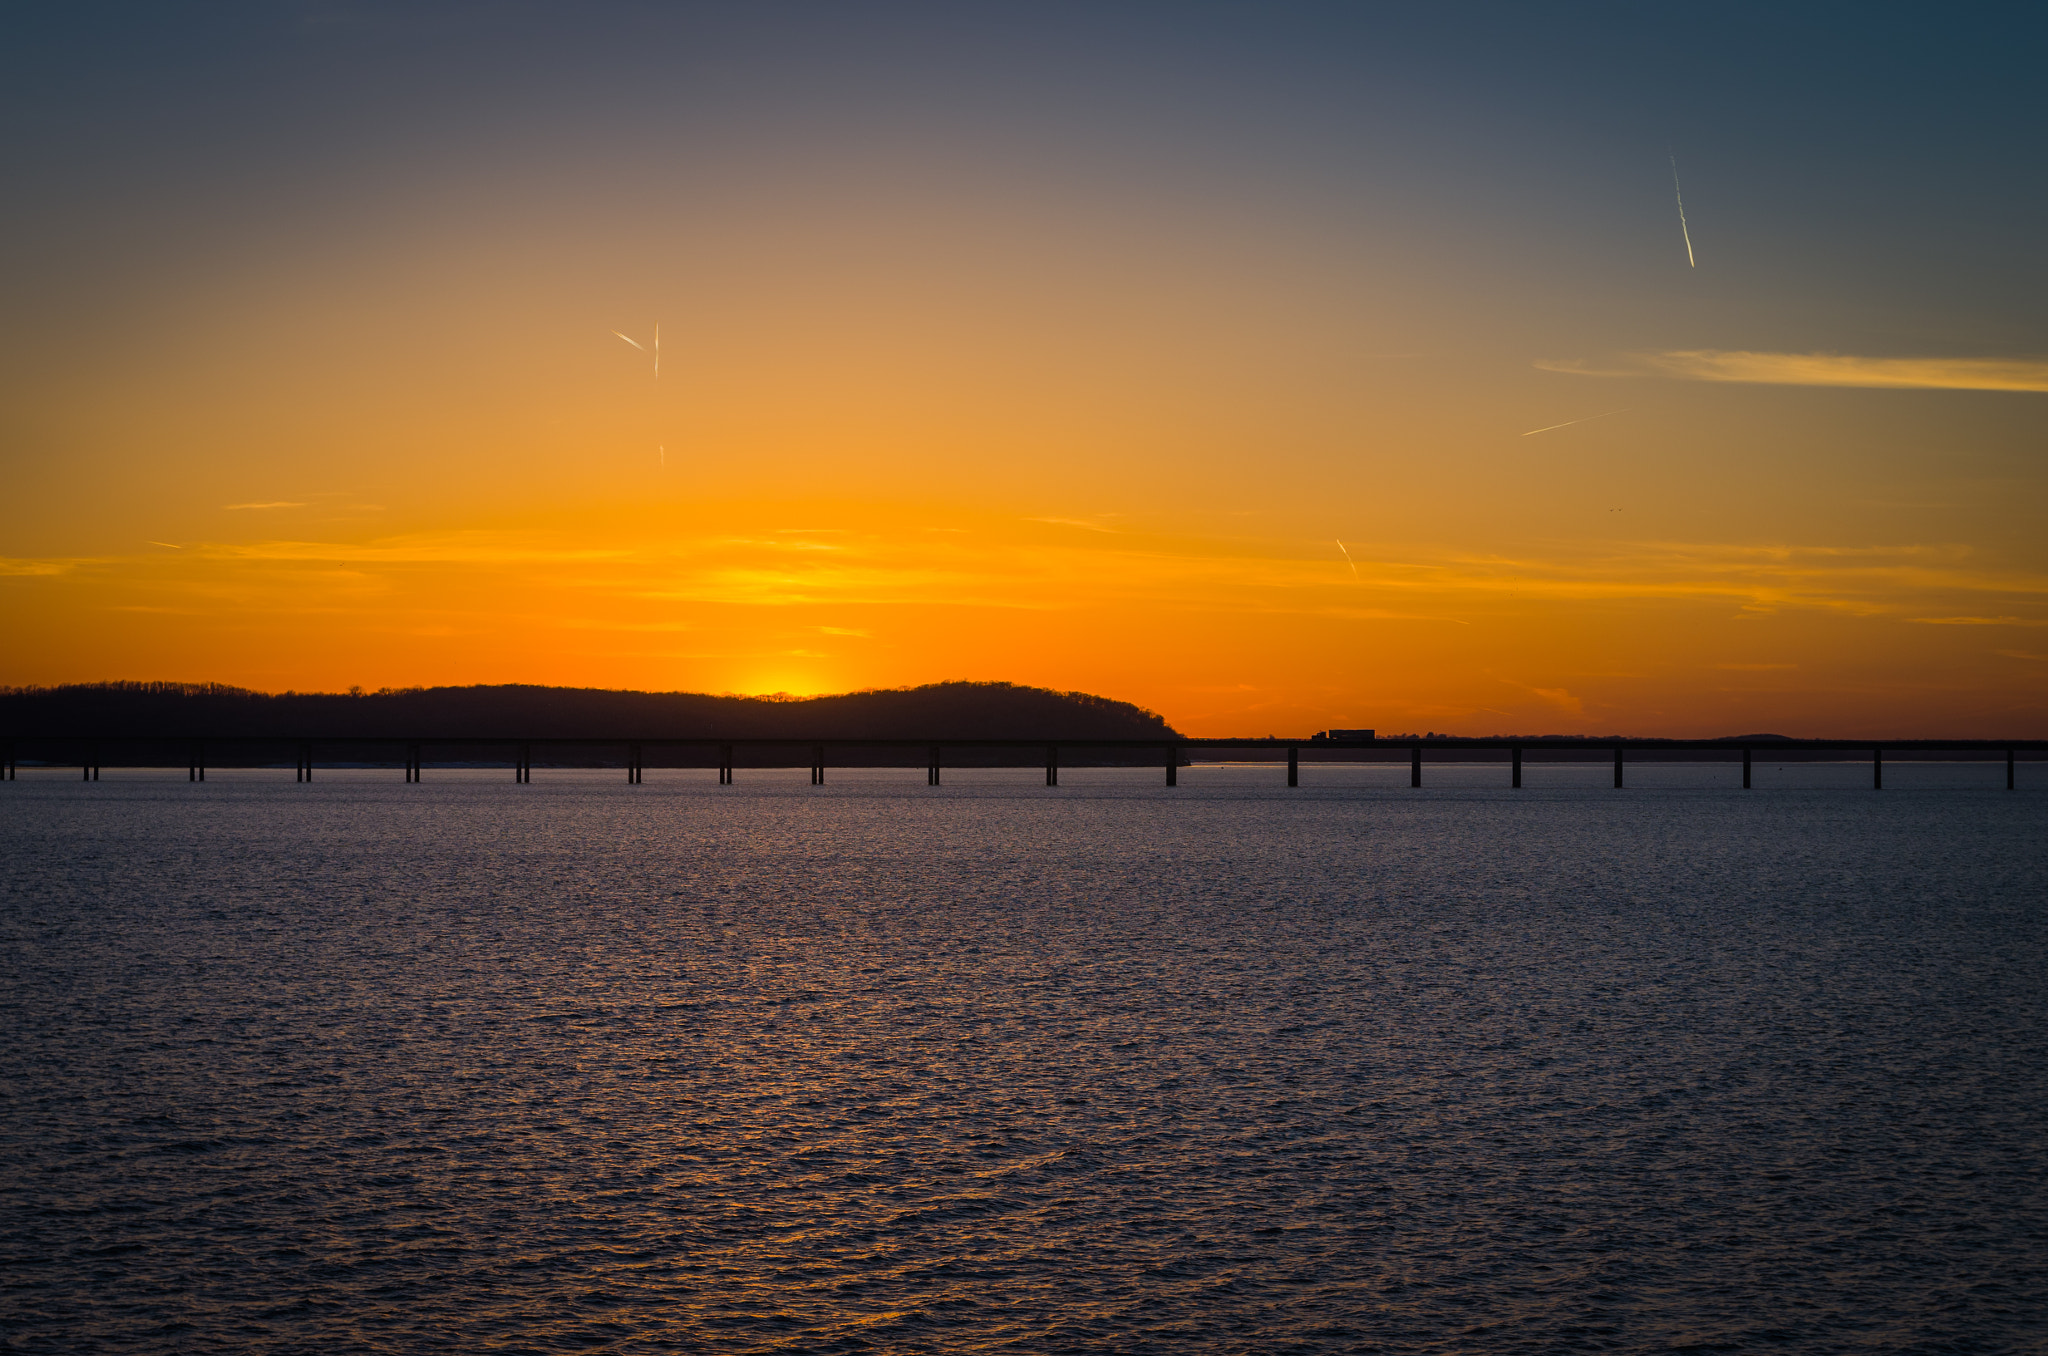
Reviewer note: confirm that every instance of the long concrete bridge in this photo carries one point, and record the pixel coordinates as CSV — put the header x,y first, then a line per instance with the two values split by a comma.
x,y
84,751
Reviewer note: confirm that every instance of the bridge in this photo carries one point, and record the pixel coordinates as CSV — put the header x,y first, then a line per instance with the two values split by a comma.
x,y
85,751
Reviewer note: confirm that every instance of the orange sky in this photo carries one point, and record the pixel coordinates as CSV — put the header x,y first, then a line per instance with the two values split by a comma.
x,y
1004,404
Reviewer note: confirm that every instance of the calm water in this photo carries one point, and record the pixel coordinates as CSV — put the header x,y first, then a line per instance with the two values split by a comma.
x,y
471,1066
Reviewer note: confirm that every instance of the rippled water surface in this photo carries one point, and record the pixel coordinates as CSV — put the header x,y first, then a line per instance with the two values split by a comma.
x,y
470,1066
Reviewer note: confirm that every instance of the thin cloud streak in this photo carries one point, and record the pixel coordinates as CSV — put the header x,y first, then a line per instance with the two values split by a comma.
x,y
456,548
1072,522
1569,422
1930,584
1976,621
43,568
1686,230
1822,369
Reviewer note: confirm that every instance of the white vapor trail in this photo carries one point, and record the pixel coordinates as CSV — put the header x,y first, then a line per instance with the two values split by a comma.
x,y
660,450
1347,557
1569,422
1683,229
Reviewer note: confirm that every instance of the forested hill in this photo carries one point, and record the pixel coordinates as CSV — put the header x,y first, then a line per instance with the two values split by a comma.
x,y
948,711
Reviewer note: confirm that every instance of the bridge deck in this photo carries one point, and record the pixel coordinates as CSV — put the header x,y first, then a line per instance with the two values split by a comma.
x,y
84,751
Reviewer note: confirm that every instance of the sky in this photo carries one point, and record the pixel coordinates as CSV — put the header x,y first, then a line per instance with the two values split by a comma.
x,y
1274,366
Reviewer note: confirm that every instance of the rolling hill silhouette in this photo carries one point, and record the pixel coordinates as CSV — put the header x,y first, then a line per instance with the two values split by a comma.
x,y
950,711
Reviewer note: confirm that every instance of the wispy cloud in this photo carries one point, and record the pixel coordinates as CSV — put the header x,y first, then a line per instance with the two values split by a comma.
x,y
1822,369
457,548
1580,367
1977,621
1020,570
275,504
20,566
1561,698
1072,522
1859,581
1569,422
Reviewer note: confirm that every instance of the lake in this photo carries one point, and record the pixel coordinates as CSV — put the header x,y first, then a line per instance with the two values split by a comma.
x,y
359,1066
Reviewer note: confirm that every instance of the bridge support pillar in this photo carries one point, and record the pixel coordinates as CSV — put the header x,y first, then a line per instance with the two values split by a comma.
x,y
1516,754
1745,767
725,765
931,766
1294,765
1415,766
817,765
1877,769
2008,770
1052,765
1617,767
412,762
1172,765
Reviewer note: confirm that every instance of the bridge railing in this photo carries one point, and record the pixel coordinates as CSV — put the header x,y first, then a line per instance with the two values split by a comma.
x,y
86,752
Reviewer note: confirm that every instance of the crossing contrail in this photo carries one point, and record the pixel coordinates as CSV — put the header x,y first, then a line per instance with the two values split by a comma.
x,y
1569,422
661,451
1682,228
1347,557
643,348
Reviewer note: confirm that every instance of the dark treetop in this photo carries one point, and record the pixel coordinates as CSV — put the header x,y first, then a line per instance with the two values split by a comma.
x,y
943,711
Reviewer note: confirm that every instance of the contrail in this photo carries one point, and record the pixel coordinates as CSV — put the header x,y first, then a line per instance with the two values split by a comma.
x,y
1682,228
664,454
643,350
1569,422
173,545
1347,557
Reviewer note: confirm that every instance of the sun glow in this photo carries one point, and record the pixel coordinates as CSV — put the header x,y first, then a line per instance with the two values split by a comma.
x,y
1230,408
786,687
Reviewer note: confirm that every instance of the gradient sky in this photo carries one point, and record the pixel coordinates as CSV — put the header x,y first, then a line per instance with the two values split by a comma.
x,y
1058,343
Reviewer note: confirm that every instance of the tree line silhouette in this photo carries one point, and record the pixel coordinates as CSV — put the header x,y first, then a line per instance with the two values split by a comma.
x,y
950,711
